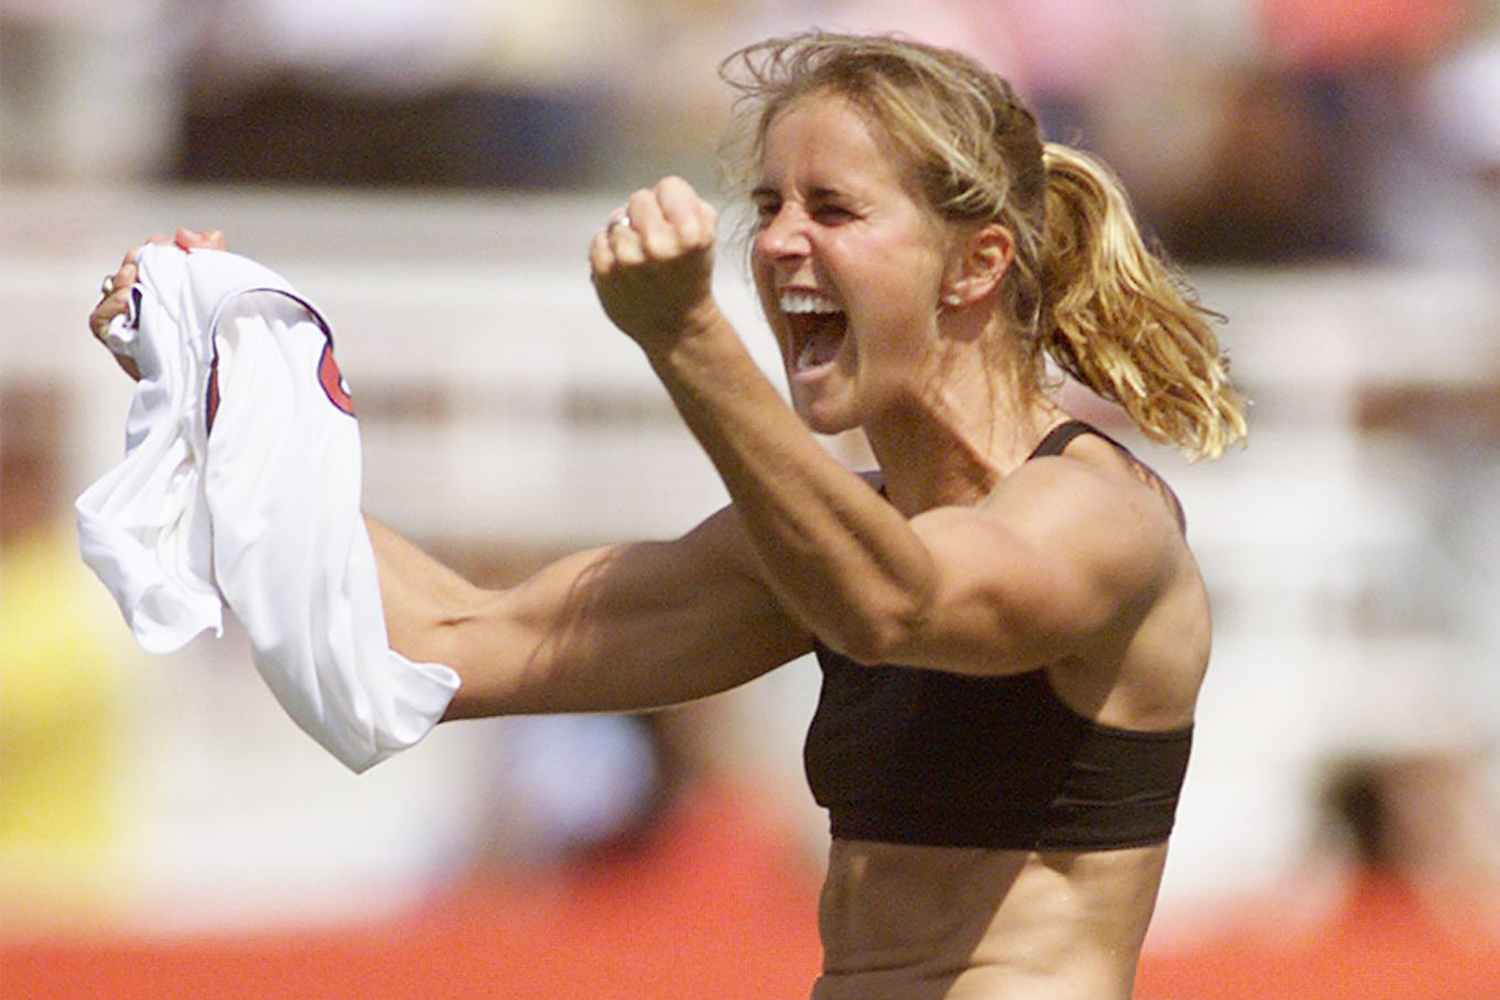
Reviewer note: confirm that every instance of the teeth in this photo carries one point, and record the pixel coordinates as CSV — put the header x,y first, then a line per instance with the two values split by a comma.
x,y
807,302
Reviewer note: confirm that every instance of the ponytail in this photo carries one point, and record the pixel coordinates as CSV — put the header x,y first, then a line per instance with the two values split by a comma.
x,y
1122,321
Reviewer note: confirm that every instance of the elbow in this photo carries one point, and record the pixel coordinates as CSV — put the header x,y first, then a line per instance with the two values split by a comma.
x,y
877,636
437,630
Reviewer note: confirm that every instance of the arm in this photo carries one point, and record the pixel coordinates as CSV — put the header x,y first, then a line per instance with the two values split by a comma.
x,y
628,627
1006,586
625,627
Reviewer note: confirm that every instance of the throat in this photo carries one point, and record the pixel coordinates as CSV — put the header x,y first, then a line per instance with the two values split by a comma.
x,y
931,457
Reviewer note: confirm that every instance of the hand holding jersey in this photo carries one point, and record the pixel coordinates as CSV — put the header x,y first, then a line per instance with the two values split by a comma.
x,y
241,486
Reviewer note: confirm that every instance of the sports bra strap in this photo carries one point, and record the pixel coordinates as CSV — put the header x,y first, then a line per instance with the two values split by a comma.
x,y
1059,437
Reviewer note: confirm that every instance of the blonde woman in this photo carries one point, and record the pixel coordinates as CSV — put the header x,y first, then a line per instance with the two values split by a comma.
x,y
1011,626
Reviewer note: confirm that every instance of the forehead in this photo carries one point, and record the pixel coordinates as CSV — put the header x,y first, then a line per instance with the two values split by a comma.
x,y
825,136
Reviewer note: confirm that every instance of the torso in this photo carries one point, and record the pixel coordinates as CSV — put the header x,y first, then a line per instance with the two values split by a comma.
x,y
923,921
951,923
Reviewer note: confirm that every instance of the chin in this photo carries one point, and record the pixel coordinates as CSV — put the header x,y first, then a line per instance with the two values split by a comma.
x,y
823,417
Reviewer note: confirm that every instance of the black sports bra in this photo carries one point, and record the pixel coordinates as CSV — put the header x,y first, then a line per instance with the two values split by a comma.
x,y
914,756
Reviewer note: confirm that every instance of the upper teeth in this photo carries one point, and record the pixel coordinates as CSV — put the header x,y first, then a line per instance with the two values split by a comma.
x,y
807,302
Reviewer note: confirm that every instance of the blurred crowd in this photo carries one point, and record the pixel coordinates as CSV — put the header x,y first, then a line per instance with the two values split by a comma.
x,y
1249,131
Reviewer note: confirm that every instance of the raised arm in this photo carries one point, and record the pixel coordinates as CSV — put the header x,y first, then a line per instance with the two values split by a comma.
x,y
624,627
1008,585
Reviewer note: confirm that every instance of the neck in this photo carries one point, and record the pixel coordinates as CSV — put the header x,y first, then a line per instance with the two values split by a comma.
x,y
953,448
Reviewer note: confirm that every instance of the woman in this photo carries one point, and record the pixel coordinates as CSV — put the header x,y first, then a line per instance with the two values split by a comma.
x,y
1011,626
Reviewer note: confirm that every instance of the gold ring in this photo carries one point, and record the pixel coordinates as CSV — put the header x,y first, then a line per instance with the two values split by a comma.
x,y
107,286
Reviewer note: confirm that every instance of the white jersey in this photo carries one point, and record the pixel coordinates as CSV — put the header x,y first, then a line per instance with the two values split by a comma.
x,y
241,487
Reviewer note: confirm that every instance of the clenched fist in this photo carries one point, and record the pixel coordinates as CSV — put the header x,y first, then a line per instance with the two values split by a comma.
x,y
653,264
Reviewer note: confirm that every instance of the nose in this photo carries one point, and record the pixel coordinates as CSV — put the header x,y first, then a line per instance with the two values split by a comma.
x,y
783,237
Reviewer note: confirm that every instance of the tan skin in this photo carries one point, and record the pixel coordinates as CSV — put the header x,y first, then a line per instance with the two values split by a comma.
x,y
979,563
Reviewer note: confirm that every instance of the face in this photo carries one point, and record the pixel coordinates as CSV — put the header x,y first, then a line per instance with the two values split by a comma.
x,y
849,266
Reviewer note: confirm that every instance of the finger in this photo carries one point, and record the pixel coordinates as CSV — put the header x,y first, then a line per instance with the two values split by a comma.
x,y
624,238
601,257
112,305
659,239
125,274
693,218
101,317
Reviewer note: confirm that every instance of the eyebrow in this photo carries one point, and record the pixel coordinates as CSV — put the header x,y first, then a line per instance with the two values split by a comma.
x,y
819,193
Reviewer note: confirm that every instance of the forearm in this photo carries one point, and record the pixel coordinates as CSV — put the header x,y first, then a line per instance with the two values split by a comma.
x,y
838,556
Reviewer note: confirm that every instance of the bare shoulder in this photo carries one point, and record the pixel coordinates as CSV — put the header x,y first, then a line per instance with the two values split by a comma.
x,y
1065,555
1120,524
1099,505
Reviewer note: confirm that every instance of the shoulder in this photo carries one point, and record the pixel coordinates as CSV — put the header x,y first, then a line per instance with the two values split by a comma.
x,y
1094,507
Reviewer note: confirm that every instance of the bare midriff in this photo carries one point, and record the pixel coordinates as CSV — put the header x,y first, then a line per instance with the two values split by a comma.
x,y
956,923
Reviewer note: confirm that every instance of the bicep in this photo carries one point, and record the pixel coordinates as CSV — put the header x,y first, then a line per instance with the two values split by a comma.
x,y
625,627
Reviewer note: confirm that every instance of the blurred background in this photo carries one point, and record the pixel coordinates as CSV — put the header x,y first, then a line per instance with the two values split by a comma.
x,y
430,172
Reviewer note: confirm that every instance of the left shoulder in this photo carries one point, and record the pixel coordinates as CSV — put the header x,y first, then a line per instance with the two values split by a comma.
x,y
1063,551
1097,498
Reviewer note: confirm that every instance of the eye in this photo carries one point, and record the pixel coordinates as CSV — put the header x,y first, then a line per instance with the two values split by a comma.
x,y
832,215
765,211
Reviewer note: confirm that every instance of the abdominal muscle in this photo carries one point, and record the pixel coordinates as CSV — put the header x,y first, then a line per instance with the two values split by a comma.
x,y
955,923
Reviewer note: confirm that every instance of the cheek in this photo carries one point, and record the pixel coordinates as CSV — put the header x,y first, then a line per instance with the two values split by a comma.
x,y
769,310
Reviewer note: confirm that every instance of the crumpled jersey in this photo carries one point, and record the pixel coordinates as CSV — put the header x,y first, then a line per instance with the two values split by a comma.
x,y
240,487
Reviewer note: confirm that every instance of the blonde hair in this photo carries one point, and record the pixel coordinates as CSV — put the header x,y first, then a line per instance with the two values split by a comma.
x,y
1083,288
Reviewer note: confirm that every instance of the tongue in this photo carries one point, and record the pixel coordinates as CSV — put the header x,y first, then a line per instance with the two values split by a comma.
x,y
822,342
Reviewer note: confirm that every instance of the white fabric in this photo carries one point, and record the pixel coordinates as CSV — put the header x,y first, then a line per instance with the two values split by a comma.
x,y
262,513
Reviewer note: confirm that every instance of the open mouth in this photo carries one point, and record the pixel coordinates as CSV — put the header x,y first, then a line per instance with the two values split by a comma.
x,y
817,327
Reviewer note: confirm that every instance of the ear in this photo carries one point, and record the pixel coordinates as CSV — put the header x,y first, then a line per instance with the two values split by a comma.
x,y
978,262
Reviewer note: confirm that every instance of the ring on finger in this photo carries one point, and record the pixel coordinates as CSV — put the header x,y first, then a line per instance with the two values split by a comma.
x,y
619,217
107,286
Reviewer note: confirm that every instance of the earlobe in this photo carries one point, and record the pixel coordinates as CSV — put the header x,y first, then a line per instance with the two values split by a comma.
x,y
986,255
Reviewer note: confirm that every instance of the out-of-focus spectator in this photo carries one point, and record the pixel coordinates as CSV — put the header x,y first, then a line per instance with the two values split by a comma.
x,y
88,88
1394,902
456,93
1334,35
1278,184
1437,180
